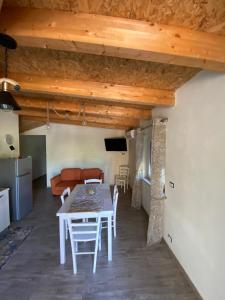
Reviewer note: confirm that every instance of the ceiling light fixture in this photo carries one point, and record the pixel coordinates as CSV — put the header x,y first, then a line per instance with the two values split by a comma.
x,y
7,101
68,116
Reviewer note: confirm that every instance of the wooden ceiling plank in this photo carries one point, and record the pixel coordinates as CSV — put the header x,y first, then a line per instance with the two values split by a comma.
x,y
106,92
90,109
25,125
124,122
114,36
69,122
1,2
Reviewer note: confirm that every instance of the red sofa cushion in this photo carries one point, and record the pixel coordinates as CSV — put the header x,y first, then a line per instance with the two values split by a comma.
x,y
68,183
70,174
90,173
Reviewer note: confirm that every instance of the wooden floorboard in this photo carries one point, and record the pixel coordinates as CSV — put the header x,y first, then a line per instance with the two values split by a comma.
x,y
136,272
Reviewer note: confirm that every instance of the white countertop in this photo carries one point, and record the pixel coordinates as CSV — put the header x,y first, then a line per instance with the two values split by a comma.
x,y
3,189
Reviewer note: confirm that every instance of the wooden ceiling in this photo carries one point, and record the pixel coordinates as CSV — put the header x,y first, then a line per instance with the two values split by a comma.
x,y
110,68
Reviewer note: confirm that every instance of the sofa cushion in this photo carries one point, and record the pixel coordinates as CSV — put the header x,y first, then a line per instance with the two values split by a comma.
x,y
70,174
68,183
90,173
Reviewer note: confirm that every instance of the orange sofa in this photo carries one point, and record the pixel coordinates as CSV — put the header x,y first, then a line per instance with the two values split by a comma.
x,y
70,177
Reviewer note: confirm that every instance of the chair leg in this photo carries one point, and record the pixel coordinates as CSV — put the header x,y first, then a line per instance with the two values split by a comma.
x,y
100,239
114,227
66,230
74,263
95,256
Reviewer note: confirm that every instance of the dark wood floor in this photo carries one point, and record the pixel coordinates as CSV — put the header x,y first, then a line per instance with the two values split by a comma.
x,y
136,272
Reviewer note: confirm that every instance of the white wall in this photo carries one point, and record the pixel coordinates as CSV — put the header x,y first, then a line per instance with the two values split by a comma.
x,y
35,146
195,162
9,124
80,146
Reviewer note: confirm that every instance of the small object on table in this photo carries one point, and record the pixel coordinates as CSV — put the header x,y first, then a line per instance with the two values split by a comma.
x,y
90,189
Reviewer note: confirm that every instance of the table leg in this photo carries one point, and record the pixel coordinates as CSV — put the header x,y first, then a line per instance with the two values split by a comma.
x,y
109,238
62,240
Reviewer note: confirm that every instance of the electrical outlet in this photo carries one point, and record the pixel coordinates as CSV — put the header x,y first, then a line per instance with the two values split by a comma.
x,y
171,184
170,238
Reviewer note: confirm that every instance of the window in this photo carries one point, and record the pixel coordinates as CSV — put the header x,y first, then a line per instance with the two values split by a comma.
x,y
147,155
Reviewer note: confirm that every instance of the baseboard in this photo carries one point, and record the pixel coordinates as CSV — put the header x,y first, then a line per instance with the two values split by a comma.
x,y
184,272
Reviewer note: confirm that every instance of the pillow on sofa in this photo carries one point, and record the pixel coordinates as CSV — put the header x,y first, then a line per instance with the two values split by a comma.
x,y
90,173
70,174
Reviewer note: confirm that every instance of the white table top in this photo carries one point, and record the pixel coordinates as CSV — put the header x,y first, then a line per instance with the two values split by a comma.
x,y
80,195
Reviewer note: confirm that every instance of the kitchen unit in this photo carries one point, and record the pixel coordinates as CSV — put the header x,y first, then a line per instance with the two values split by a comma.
x,y
4,209
16,174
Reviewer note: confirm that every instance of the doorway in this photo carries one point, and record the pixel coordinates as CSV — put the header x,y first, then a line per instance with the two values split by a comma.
x,y
35,146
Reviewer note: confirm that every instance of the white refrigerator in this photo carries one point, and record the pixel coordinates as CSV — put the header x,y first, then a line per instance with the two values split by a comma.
x,y
16,174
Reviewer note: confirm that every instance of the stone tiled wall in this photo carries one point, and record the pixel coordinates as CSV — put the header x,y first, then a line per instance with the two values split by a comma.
x,y
155,226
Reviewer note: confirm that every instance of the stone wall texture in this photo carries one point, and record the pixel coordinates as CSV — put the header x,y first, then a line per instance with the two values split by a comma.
x,y
158,158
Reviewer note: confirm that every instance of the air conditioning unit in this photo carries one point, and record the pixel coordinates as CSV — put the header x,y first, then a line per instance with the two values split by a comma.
x,y
131,134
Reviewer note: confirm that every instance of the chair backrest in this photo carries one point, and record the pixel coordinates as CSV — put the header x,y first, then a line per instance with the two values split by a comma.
x,y
115,201
124,171
86,230
65,194
93,181
115,189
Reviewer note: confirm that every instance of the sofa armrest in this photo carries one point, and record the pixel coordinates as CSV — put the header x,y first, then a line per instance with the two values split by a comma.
x,y
102,176
54,180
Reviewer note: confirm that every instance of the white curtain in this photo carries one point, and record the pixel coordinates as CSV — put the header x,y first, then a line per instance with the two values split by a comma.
x,y
139,172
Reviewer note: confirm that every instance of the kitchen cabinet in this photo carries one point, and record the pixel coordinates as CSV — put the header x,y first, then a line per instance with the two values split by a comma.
x,y
4,209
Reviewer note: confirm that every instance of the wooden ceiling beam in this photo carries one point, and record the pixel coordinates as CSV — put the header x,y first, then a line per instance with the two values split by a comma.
x,y
110,93
78,119
90,109
112,36
1,2
69,122
28,124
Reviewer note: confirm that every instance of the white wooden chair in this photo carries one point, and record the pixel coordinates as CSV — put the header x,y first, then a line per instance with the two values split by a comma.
x,y
87,181
104,223
87,231
63,196
120,182
115,190
122,179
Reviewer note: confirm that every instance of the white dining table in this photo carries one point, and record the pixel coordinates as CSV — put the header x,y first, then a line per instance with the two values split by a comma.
x,y
81,194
